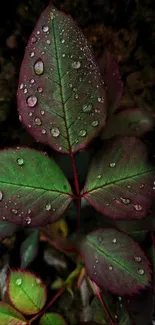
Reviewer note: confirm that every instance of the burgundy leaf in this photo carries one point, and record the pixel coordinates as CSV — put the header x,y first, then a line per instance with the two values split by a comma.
x,y
120,181
61,98
115,262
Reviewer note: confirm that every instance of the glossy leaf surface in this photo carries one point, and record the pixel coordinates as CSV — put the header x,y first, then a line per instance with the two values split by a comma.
x,y
128,122
115,262
29,249
52,319
7,229
9,315
61,97
120,180
33,189
26,292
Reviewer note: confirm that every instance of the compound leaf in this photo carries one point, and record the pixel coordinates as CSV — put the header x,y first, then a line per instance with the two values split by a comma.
x,y
61,97
52,319
9,315
26,292
120,180
29,249
115,262
33,189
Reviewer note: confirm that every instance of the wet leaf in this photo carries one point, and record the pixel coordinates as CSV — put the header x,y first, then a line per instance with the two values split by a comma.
x,y
61,98
115,262
29,249
120,180
128,122
7,229
52,319
33,189
110,71
26,292
9,315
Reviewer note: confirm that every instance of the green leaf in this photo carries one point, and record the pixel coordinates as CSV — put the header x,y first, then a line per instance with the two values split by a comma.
x,y
7,229
120,180
52,319
61,96
26,292
29,249
9,315
33,189
115,262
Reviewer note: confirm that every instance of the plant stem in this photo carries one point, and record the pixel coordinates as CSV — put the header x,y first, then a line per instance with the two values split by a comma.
x,y
77,188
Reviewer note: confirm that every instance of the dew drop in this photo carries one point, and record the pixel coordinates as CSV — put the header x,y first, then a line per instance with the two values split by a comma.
x,y
43,131
48,42
19,282
31,101
82,133
45,29
138,207
40,89
55,132
29,211
142,186
110,267
42,112
32,54
39,67
38,281
14,211
38,121
25,91
28,220
63,41
1,195
63,55
20,161
141,271
137,259
112,164
76,65
48,207
99,176
87,108
33,39
100,99
21,86
32,81
30,114
120,298
124,200
114,240
95,123
51,15
128,186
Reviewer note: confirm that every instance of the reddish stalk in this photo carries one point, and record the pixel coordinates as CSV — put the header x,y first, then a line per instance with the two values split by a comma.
x,y
58,294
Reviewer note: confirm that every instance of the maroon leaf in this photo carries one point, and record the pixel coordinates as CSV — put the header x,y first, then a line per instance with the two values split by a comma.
x,y
110,71
115,262
120,181
33,189
61,98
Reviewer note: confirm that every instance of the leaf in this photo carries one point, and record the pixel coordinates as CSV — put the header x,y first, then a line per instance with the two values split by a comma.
x,y
33,189
9,315
52,319
128,122
7,229
29,249
120,180
61,98
115,262
26,292
110,71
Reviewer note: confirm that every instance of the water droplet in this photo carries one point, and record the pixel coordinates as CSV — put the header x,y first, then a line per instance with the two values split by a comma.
x,y
63,55
19,282
110,267
76,65
32,54
48,207
100,99
138,207
116,317
33,39
120,298
124,200
29,211
28,220
25,91
141,271
112,164
38,281
51,15
63,41
114,240
82,133
40,89
48,41
1,195
95,123
45,29
99,176
55,132
20,161
137,259
42,112
15,211
142,186
39,67
43,131
87,108
128,186
32,101
30,114
38,121
21,86
76,96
